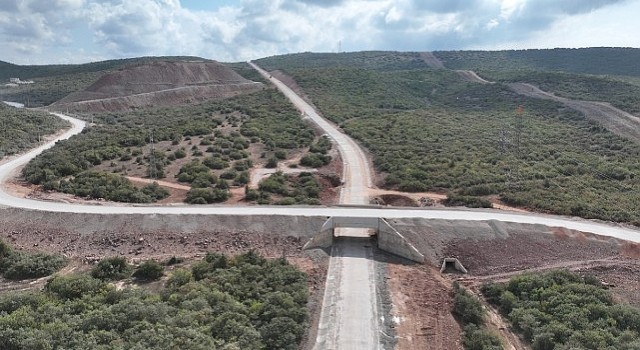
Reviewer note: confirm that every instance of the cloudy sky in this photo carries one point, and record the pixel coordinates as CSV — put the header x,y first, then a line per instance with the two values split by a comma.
x,y
75,31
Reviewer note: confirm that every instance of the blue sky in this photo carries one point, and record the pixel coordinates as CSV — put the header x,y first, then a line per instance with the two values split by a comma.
x,y
76,31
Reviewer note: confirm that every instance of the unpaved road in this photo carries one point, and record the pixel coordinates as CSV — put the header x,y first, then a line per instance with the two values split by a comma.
x,y
473,77
349,316
614,119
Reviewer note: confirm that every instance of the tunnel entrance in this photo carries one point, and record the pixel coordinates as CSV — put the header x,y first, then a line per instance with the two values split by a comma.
x,y
387,238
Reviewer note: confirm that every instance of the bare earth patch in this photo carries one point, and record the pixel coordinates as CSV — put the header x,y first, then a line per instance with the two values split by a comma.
x,y
422,306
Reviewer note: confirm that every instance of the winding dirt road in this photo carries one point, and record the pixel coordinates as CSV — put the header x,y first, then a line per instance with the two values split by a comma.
x,y
617,121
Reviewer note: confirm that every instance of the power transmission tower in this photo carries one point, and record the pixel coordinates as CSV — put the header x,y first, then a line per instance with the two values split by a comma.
x,y
518,130
152,160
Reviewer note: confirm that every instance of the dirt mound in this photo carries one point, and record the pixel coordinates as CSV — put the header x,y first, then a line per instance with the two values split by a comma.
x,y
158,83
396,200
431,60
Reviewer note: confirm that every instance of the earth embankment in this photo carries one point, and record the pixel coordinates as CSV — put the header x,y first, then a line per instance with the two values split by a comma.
x,y
159,83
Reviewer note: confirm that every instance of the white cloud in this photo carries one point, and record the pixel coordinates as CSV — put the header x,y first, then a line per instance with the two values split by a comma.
x,y
46,31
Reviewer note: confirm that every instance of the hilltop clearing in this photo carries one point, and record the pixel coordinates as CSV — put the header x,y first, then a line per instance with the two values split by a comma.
x,y
53,82
157,83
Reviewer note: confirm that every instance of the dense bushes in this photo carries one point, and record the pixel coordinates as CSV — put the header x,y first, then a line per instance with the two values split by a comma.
x,y
562,310
15,265
301,189
149,270
317,155
110,269
469,311
246,302
113,187
431,131
226,128
206,195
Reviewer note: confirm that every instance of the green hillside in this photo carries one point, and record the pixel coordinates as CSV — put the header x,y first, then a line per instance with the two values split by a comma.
x,y
20,129
429,130
599,61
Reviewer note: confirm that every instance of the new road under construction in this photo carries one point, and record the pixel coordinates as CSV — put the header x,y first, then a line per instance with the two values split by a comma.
x,y
350,311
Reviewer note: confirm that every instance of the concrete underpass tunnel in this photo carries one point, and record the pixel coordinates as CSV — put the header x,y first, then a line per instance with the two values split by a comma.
x,y
388,239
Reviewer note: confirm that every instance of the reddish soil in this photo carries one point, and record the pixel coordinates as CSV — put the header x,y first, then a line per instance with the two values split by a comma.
x,y
422,307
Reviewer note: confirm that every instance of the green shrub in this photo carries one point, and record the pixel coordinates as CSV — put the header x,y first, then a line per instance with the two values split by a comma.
x,y
476,338
74,286
155,191
180,153
25,265
315,160
467,308
112,269
178,278
272,163
149,270
206,195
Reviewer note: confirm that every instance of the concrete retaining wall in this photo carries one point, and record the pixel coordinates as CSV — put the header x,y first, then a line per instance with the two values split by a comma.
x,y
392,241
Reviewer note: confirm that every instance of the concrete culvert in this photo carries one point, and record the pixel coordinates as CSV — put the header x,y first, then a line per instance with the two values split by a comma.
x,y
450,265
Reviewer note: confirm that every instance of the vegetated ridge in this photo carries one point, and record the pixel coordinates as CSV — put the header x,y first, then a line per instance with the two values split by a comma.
x,y
595,60
158,83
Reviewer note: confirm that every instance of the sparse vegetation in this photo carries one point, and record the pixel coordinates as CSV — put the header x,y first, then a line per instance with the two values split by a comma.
x,y
247,303
21,129
78,166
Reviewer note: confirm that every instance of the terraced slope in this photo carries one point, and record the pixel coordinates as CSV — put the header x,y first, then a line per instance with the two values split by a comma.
x,y
158,83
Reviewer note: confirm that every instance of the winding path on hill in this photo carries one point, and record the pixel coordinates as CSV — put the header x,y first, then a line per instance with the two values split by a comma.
x,y
614,119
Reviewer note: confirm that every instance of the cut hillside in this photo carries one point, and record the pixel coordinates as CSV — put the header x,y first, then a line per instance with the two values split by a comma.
x,y
159,83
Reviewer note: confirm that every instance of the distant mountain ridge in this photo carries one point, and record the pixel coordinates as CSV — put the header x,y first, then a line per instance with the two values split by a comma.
x,y
10,70
596,60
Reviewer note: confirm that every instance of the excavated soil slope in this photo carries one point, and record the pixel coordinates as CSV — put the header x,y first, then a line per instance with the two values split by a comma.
x,y
158,83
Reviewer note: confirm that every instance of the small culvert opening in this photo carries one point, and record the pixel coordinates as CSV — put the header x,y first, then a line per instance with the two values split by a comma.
x,y
452,265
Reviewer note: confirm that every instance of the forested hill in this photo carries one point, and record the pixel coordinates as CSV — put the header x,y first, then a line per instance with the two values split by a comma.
x,y
600,60
9,70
